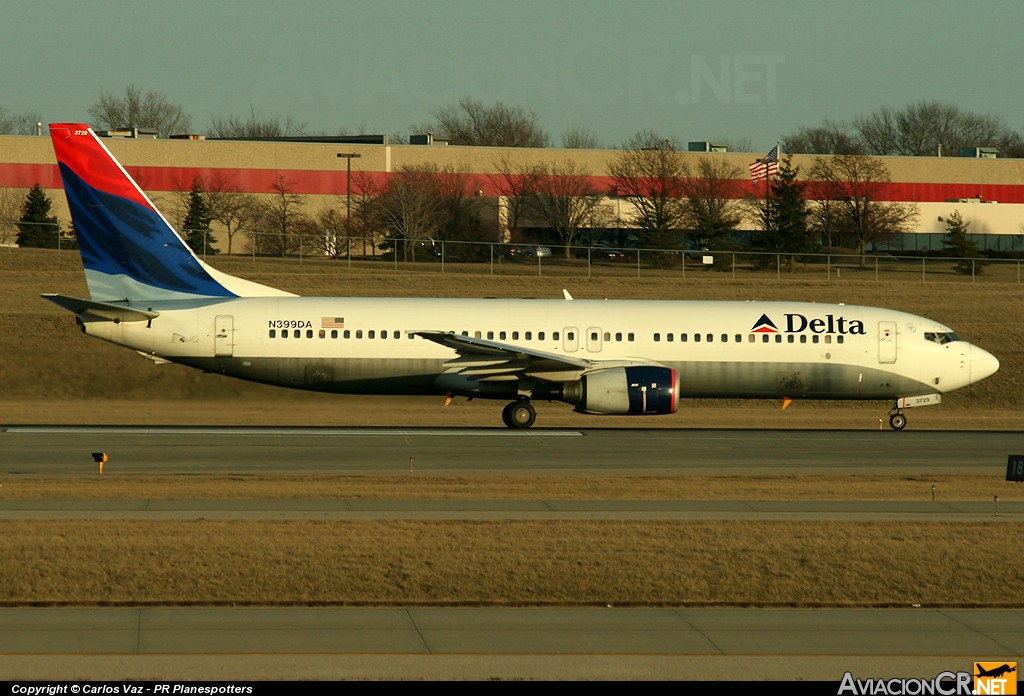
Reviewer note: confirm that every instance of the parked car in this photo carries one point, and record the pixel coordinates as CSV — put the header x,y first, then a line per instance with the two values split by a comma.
x,y
527,251
600,253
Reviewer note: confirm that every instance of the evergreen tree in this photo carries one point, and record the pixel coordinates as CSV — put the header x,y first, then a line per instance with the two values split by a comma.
x,y
37,228
783,215
958,244
197,223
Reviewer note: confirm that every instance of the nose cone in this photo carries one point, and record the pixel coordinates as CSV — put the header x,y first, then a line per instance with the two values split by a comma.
x,y
983,364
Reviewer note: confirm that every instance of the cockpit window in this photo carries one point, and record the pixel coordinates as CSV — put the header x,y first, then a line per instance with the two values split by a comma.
x,y
941,337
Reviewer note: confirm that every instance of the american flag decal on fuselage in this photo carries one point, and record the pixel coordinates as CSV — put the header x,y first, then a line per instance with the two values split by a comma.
x,y
332,323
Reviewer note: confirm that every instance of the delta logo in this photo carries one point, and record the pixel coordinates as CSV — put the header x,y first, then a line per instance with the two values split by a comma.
x,y
799,323
995,678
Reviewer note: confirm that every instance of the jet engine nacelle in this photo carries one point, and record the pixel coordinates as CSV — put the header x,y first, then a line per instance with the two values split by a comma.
x,y
626,391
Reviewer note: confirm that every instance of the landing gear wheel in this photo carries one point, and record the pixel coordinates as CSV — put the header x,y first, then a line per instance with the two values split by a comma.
x,y
519,415
897,421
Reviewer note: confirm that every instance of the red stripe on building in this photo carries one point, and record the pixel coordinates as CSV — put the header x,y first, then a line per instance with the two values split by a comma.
x,y
332,182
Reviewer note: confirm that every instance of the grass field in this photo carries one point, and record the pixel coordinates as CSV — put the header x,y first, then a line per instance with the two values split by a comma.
x,y
51,373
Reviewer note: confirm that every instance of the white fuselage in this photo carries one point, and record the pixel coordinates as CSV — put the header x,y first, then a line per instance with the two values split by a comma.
x,y
720,349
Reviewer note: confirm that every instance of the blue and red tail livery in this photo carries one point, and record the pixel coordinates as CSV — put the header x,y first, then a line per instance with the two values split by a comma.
x,y
129,250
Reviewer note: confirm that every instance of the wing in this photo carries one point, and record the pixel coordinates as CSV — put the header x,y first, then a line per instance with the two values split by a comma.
x,y
490,361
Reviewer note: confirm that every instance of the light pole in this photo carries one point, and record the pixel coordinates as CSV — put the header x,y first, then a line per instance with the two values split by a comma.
x,y
349,156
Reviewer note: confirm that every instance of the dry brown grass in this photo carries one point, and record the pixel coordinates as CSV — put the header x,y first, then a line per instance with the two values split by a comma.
x,y
509,563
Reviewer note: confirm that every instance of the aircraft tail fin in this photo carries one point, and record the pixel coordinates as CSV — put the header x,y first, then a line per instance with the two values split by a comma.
x,y
129,250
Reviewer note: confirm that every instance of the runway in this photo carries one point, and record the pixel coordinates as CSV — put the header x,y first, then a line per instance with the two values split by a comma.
x,y
237,643
61,451
354,643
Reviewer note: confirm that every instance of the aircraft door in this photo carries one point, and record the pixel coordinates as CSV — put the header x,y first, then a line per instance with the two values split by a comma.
x,y
886,342
570,339
223,336
594,339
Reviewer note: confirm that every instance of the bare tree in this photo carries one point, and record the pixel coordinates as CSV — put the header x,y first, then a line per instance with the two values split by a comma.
x,y
928,128
138,110
228,204
649,173
561,195
256,127
576,138
12,202
472,122
830,138
714,204
849,189
279,222
409,208
19,124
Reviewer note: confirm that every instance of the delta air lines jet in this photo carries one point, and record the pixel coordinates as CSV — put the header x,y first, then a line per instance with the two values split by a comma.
x,y
150,293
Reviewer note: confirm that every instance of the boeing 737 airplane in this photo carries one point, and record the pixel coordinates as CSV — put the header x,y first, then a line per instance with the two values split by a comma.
x,y
150,293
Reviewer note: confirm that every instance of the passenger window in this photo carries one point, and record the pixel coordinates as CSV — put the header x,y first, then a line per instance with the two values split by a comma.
x,y
540,335
273,333
803,339
334,333
618,336
347,334
710,338
725,338
384,334
529,335
607,336
371,334
670,337
739,338
828,339
839,339
629,337
490,335
765,338
593,335
790,338
284,333
683,338
657,337
515,335
323,334
501,335
751,338
778,338
814,339
554,335
359,333
696,338
309,333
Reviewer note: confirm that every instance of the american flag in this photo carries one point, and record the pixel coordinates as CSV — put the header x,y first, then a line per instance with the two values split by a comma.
x,y
766,166
332,323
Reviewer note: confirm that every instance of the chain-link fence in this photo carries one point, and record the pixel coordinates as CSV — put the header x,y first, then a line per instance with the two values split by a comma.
x,y
596,261
605,261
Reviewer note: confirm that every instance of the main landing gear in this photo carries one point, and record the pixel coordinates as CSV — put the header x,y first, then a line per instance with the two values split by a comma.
x,y
897,421
519,414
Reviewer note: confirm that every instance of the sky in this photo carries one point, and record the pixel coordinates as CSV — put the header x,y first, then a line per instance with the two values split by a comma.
x,y
743,72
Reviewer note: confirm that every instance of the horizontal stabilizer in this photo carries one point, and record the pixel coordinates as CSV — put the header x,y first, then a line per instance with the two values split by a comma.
x,y
101,310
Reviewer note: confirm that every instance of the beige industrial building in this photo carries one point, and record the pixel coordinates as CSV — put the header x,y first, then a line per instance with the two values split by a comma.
x,y
988,192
